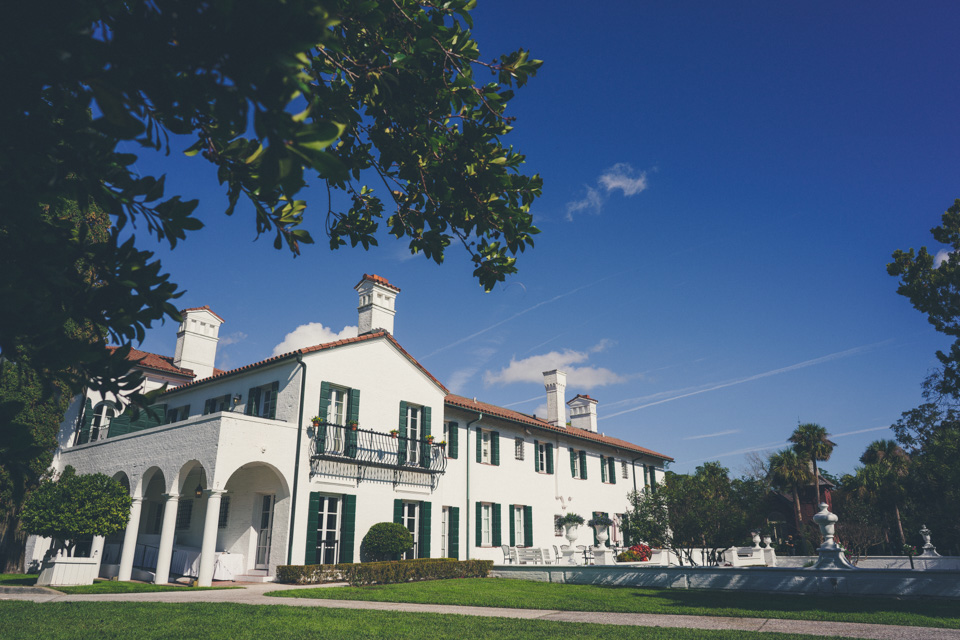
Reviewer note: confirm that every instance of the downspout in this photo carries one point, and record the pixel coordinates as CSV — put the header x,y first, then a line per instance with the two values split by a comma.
x,y
296,461
479,418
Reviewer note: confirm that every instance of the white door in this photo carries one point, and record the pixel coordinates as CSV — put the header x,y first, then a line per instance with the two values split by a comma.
x,y
411,520
264,533
445,532
328,530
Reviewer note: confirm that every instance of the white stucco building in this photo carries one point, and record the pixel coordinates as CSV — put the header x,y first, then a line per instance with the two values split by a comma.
x,y
230,475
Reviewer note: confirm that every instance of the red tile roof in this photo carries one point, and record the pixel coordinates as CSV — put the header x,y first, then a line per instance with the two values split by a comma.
x,y
522,418
156,362
320,347
379,280
581,395
203,308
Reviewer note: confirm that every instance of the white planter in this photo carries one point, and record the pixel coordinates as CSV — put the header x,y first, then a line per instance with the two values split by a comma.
x,y
602,535
571,533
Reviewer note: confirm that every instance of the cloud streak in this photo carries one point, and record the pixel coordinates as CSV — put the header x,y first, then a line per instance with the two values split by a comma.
x,y
766,374
620,177
713,435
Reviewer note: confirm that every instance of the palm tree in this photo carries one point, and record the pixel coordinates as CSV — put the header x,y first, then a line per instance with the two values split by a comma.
x,y
787,472
892,464
810,442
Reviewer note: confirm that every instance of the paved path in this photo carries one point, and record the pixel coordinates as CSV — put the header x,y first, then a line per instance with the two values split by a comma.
x,y
254,594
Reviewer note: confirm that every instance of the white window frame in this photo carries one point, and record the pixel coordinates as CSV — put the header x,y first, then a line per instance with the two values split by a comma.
x,y
557,527
519,444
444,530
624,472
518,530
414,432
101,420
178,414
486,446
411,516
337,407
576,464
486,524
542,456
267,400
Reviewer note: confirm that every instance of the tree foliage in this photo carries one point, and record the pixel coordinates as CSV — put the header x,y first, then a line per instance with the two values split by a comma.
x,y
811,443
76,506
385,541
788,470
350,93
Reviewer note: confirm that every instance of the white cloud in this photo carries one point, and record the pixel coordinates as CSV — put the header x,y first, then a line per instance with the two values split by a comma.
x,y
593,203
531,369
624,177
713,435
620,176
941,256
308,335
233,338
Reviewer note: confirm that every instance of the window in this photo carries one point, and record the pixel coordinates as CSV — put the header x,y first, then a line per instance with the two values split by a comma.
x,y
178,413
411,520
557,527
518,448
624,473
486,524
337,407
156,519
213,405
224,512
262,401
608,470
543,456
444,525
104,413
574,463
451,433
485,447
414,433
518,535
184,513
488,447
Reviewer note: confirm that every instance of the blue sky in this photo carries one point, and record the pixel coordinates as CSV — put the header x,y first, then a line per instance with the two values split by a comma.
x,y
724,184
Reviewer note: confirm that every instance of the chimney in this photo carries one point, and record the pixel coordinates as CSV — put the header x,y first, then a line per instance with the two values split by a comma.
x,y
556,383
197,340
583,413
377,304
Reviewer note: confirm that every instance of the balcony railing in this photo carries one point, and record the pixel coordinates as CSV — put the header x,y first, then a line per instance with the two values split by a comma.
x,y
377,449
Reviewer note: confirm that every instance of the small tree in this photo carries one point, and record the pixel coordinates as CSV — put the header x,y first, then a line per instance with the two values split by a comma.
x,y
385,541
75,507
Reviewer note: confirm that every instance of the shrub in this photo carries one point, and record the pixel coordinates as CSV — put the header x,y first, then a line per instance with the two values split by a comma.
x,y
636,553
384,572
385,541
571,518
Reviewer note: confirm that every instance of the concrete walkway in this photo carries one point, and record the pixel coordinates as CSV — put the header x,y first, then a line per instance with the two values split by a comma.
x,y
254,594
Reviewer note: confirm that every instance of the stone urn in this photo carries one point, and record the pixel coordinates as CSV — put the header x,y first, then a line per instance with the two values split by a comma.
x,y
571,533
755,537
767,542
831,556
602,534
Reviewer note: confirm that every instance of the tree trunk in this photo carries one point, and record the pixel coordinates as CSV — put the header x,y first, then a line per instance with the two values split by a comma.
x,y
816,484
896,511
796,504
13,543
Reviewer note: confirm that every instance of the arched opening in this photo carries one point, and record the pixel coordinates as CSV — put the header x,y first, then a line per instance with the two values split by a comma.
x,y
253,523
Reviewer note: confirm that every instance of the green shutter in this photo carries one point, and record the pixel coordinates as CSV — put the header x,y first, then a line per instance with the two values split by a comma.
x,y
324,407
226,402
549,457
353,406
495,534
528,526
253,401
479,538
348,526
402,438
425,447
453,446
86,423
479,445
453,535
536,456
653,479
208,406
423,535
573,463
398,511
119,426
603,469
513,526
275,389
495,447
313,514
583,465
613,470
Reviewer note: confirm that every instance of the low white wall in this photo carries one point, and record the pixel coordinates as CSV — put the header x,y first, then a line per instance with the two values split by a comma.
x,y
890,582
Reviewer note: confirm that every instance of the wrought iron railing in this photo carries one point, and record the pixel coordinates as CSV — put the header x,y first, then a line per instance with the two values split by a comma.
x,y
377,449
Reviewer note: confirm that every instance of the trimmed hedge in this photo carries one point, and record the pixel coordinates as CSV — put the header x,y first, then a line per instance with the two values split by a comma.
x,y
359,574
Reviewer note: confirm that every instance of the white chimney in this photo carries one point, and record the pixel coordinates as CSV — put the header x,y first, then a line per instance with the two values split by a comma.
x,y
556,383
377,304
583,413
197,340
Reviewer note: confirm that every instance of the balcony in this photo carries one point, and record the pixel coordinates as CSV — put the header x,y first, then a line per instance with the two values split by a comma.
x,y
357,452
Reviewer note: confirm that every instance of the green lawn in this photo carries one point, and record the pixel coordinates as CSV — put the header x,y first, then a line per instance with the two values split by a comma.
x,y
18,579
490,592
112,586
146,621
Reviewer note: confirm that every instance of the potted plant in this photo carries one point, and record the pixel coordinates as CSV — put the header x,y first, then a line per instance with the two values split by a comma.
x,y
394,433
353,425
430,439
316,420
442,443
571,522
600,524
